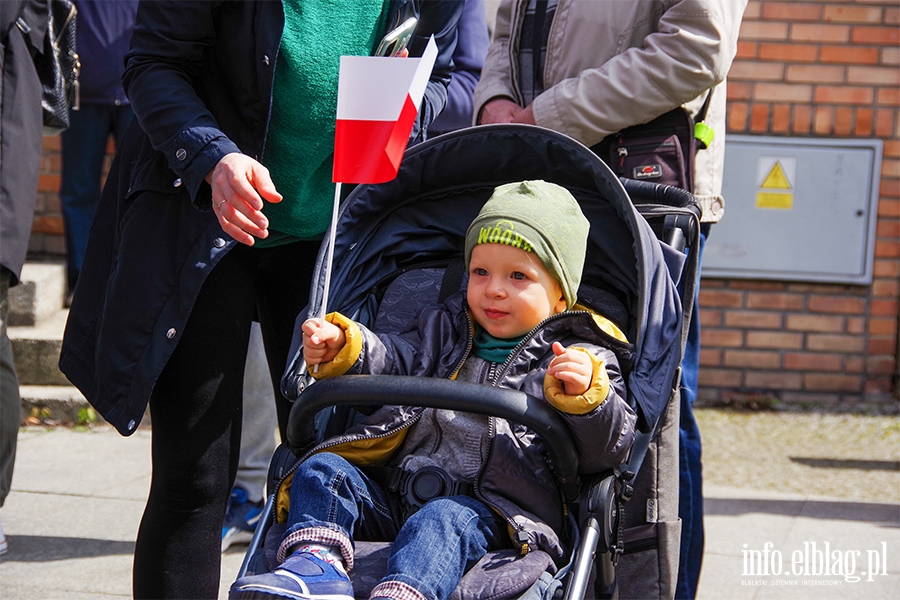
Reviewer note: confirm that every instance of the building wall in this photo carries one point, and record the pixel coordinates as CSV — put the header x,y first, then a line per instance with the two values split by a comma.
x,y
806,69
812,69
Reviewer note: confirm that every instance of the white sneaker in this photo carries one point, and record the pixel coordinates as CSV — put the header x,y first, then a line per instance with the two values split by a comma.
x,y
3,545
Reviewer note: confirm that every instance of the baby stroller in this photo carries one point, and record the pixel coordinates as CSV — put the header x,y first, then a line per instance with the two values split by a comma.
x,y
399,245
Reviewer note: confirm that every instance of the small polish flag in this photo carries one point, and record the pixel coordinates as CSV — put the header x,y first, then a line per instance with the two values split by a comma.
x,y
378,99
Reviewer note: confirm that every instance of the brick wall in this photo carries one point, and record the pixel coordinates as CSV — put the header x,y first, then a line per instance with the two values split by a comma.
x,y
814,69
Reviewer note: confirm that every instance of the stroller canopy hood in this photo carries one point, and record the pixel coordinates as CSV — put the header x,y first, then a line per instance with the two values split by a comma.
x,y
422,215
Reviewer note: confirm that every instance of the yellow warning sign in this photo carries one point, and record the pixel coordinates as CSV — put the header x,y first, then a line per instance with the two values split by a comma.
x,y
776,179
776,190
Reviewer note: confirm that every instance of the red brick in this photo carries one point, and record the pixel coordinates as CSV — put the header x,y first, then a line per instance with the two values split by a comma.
x,y
802,120
774,340
891,15
864,119
720,378
854,364
886,268
887,97
789,52
888,76
737,116
710,318
830,94
848,55
890,56
845,344
781,118
814,74
773,380
819,323
887,249
752,359
818,33
837,305
745,70
791,11
885,288
767,31
834,383
856,325
710,358
843,121
721,338
753,10
775,301
747,50
852,14
884,123
885,345
823,120
813,362
48,183
881,386
882,326
883,308
759,118
882,365
737,92
52,225
886,228
887,208
817,288
748,319
720,298
885,36
51,143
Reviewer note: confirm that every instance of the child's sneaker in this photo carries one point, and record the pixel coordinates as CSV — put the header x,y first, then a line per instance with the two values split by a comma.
x,y
302,576
241,519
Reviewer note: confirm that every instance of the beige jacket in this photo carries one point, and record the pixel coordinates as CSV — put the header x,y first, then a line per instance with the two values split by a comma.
x,y
616,63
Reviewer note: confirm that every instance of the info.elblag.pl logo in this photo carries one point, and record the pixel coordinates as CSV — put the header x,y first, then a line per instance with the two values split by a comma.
x,y
812,563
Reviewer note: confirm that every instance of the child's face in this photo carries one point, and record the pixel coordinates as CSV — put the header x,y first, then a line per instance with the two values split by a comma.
x,y
510,291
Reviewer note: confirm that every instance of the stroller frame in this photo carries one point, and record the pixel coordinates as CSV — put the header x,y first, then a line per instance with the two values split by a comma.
x,y
648,211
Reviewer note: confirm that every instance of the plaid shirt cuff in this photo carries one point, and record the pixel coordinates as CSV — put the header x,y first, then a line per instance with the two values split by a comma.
x,y
317,535
395,590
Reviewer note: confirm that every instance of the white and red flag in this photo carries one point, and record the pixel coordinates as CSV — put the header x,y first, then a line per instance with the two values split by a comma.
x,y
378,99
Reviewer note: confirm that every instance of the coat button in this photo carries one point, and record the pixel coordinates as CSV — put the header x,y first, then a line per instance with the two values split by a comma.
x,y
218,242
180,154
131,424
177,182
170,333
266,59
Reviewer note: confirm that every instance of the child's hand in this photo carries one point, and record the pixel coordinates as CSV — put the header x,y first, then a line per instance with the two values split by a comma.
x,y
573,368
321,341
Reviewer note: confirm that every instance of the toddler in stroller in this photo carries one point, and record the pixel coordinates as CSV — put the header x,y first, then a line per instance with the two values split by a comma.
x,y
448,486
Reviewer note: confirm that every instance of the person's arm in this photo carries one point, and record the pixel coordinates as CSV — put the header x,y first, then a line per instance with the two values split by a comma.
x,y
468,58
690,52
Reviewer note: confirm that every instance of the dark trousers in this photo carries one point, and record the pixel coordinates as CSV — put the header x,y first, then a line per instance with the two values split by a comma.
x,y
83,151
10,403
196,410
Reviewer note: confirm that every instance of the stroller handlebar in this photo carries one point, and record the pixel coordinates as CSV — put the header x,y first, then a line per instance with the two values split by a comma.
x,y
379,390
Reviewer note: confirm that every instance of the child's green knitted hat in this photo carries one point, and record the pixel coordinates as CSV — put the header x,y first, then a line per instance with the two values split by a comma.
x,y
538,217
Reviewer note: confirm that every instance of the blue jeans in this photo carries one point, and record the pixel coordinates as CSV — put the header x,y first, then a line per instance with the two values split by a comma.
x,y
83,151
432,550
690,502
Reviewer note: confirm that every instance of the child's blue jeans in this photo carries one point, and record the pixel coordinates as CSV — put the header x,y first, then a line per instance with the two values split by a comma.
x,y
432,550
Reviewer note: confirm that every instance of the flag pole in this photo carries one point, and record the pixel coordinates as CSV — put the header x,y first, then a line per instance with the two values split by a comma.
x,y
329,259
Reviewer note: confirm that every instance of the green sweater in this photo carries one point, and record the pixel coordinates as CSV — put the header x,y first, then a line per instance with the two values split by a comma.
x,y
300,138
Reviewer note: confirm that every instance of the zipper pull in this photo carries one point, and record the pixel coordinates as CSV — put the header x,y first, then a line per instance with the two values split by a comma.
x,y
522,541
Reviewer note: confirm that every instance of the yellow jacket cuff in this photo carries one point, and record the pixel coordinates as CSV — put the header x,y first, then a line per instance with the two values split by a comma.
x,y
582,403
348,355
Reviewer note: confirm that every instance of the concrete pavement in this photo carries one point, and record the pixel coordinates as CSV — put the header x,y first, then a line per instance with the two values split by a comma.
x,y
77,499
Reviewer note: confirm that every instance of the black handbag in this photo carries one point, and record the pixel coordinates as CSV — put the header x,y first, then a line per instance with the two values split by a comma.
x,y
58,68
661,151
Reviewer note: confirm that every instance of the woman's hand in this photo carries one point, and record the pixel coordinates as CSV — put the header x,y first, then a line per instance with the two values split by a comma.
x,y
239,186
321,341
573,368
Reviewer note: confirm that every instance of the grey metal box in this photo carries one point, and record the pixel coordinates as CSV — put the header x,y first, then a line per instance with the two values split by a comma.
x,y
797,209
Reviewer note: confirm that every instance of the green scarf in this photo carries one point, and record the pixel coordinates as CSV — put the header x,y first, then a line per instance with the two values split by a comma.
x,y
493,349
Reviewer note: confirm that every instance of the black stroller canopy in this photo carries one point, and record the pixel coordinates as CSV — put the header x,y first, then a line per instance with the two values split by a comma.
x,y
423,214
